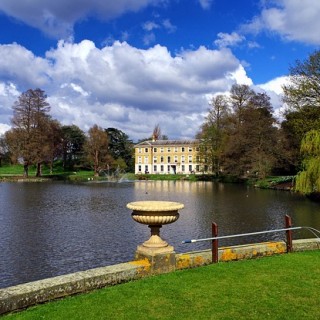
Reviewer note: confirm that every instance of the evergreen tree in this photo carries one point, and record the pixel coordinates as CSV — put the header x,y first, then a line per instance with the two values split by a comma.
x,y
28,139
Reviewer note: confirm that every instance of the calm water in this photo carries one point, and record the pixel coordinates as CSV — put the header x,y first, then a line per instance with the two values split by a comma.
x,y
48,229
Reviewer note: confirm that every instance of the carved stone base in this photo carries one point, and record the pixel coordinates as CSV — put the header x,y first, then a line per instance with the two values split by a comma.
x,y
160,262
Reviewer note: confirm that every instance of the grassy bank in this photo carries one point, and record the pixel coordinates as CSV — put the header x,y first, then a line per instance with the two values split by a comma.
x,y
277,287
15,172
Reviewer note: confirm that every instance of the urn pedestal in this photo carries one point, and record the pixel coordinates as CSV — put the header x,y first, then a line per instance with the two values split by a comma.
x,y
160,254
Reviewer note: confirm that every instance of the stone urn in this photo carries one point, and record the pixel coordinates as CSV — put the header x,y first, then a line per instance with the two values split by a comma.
x,y
155,214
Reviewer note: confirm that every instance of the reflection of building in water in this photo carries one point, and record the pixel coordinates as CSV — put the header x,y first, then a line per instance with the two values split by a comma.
x,y
166,188
168,156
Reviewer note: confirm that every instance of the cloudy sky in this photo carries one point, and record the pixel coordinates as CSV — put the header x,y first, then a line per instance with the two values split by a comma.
x,y
133,64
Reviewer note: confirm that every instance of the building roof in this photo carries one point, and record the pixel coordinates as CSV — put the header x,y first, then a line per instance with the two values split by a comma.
x,y
160,143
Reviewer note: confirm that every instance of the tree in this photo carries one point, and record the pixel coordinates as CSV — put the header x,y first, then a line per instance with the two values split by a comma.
x,y
55,136
302,95
240,97
213,134
303,89
120,148
156,134
73,139
96,149
251,147
28,138
295,125
308,180
4,152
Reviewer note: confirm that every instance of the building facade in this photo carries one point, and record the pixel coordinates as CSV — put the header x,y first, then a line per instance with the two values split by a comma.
x,y
167,157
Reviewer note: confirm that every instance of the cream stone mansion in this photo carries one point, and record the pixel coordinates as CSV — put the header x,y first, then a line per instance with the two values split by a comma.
x,y
167,156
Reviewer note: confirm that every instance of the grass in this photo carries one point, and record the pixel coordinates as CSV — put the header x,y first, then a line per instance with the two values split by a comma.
x,y
269,182
16,171
277,287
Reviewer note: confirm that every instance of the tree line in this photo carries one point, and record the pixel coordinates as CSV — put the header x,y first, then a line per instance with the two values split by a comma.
x,y
241,136
36,139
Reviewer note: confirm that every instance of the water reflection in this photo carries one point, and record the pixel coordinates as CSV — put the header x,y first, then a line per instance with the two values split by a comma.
x,y
48,229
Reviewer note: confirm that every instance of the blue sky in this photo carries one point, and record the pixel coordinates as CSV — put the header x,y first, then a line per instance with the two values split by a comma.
x,y
132,64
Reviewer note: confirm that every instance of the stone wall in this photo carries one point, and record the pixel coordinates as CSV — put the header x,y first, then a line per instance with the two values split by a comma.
x,y
25,295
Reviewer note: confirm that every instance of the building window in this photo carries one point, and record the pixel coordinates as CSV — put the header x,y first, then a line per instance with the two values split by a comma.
x,y
154,149
190,149
190,168
146,160
146,149
161,149
182,168
182,159
197,149
169,149
197,168
155,159
139,159
168,168
154,169
169,159
161,159
146,169
162,168
182,149
175,149
175,159
139,168
139,150
190,159
198,159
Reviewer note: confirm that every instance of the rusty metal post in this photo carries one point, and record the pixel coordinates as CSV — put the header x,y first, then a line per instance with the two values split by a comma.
x,y
288,233
215,250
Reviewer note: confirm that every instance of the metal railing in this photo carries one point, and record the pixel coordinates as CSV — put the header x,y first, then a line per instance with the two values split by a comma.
x,y
288,229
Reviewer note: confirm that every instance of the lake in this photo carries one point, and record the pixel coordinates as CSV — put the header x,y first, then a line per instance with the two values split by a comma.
x,y
53,228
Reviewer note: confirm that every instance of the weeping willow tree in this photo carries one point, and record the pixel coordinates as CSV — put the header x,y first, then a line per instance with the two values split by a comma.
x,y
308,180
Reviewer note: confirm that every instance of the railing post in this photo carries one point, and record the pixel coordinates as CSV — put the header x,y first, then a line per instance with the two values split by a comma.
x,y
215,250
288,233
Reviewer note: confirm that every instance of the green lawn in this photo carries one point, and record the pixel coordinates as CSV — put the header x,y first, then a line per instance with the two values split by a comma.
x,y
278,287
16,171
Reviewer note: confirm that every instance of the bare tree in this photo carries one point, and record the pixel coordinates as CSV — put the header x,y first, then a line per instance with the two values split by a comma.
x,y
96,149
156,134
213,134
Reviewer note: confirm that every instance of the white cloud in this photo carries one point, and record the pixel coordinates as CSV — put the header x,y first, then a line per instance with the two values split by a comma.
x,y
149,38
125,87
205,4
14,58
294,20
8,95
169,26
275,85
56,18
3,128
150,25
274,90
228,39
240,76
121,86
